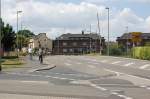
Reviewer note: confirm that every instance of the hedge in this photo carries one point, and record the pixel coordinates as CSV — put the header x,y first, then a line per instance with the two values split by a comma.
x,y
141,53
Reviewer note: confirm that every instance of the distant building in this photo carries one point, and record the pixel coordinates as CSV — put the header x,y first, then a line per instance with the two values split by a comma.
x,y
41,40
77,44
126,40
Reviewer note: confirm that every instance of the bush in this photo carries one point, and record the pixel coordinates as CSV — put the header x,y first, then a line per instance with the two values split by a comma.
x,y
115,51
9,57
141,53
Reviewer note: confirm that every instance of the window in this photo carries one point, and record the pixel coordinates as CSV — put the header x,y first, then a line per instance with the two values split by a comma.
x,y
71,50
84,43
64,50
74,44
64,43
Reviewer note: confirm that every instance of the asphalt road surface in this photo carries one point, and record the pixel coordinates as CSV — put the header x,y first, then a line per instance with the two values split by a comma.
x,y
80,77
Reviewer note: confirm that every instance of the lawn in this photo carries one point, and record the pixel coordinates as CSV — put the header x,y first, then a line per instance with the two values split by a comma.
x,y
8,63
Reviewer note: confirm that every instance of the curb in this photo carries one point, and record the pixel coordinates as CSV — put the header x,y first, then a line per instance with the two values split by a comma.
x,y
46,68
40,69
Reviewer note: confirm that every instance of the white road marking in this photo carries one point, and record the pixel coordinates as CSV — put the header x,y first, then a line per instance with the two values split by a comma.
x,y
98,87
103,61
114,93
128,64
91,66
122,96
116,62
148,88
79,63
133,77
47,76
117,73
36,82
79,75
95,63
144,66
68,64
143,86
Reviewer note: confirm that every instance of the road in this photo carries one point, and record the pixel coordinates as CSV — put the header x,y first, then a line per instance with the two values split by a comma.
x,y
80,77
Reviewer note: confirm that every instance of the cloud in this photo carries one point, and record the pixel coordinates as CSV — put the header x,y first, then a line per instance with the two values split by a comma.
x,y
140,1
56,18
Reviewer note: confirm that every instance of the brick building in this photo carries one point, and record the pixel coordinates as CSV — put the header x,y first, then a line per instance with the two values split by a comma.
x,y
77,44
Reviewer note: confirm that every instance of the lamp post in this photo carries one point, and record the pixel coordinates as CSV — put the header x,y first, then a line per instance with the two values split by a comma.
x,y
18,12
99,30
107,8
0,38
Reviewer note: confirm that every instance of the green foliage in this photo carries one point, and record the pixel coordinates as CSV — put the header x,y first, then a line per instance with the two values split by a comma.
x,y
26,33
147,44
115,50
9,57
141,53
23,38
8,37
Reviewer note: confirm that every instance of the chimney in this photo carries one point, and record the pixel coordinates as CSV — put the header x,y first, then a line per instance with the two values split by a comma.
x,y
82,32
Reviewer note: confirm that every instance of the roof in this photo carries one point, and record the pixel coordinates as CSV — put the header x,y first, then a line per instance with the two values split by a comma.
x,y
68,36
39,35
129,36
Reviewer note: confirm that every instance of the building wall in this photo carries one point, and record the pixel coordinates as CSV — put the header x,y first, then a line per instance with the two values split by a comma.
x,y
45,42
76,46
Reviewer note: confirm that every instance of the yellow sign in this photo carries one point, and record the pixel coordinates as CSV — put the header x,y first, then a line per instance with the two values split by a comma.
x,y
136,37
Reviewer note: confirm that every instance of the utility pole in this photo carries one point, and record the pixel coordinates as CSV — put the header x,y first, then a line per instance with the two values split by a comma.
x,y
127,40
0,38
108,33
90,37
99,30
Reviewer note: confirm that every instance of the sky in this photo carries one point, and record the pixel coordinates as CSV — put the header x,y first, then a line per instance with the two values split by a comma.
x,y
56,17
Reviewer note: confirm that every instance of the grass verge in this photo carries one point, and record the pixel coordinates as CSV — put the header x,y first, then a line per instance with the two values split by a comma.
x,y
12,63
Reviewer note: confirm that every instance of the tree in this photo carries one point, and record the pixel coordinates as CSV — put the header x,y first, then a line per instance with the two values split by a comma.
x,y
8,37
23,38
26,33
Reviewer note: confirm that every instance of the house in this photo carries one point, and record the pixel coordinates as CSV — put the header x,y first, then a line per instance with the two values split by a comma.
x,y
78,43
40,40
126,40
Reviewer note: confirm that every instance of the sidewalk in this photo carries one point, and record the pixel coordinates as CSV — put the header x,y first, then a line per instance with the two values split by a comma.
x,y
30,65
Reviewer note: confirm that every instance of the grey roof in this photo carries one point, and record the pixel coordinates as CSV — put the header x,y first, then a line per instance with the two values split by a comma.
x,y
129,36
37,36
68,36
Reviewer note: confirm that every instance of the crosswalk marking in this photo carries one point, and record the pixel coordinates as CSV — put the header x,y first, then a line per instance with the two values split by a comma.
x,y
128,64
35,82
116,62
144,66
103,61
91,66
79,63
67,64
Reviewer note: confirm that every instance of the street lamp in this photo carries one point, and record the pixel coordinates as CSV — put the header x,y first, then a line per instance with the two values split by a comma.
x,y
99,30
107,8
18,12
